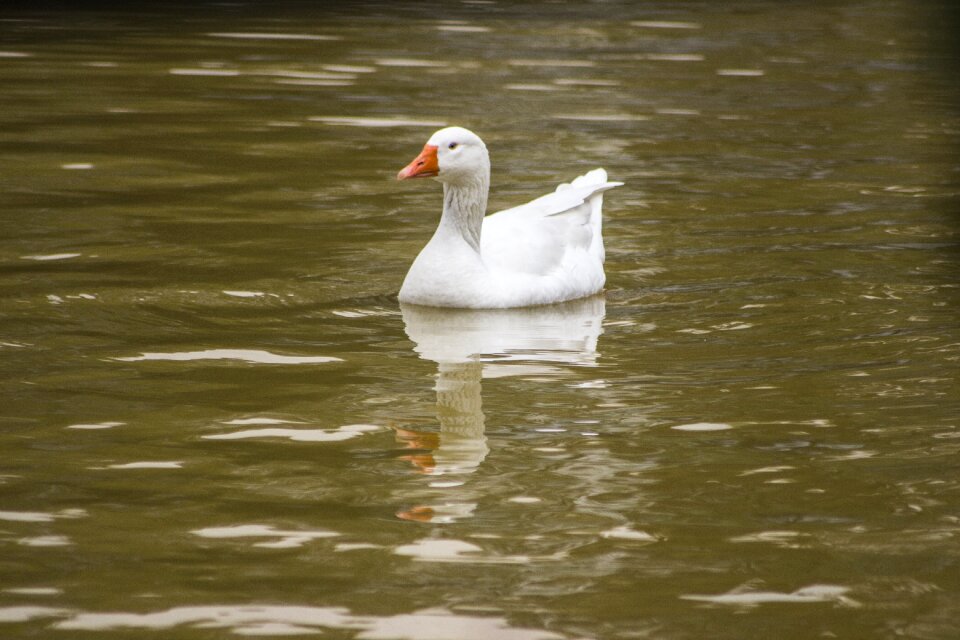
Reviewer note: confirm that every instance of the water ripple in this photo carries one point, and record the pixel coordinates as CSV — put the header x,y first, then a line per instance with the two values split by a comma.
x,y
427,624
245,355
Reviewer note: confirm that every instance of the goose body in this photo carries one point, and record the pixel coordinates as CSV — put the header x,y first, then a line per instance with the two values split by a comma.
x,y
548,250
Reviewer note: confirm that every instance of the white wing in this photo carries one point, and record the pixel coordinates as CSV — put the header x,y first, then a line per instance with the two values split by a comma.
x,y
538,236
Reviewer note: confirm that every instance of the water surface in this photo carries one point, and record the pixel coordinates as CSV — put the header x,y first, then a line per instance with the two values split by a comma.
x,y
217,419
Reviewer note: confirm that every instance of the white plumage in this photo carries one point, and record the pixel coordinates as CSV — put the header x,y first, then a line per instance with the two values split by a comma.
x,y
548,250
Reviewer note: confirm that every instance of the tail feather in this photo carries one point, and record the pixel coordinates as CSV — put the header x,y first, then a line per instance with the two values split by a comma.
x,y
597,176
596,223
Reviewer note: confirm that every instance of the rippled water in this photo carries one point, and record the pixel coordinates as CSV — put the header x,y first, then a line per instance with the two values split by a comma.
x,y
218,420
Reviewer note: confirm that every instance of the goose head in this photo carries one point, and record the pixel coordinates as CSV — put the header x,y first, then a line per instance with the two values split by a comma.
x,y
452,155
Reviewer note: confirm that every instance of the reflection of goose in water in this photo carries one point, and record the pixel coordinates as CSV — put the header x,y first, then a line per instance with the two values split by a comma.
x,y
468,345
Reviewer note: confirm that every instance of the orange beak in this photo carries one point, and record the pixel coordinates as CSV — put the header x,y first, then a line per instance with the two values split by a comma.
x,y
424,165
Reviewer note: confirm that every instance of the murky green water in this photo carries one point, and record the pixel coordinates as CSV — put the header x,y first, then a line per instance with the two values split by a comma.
x,y
217,420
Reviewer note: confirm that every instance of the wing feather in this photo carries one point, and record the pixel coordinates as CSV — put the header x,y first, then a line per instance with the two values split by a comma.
x,y
535,237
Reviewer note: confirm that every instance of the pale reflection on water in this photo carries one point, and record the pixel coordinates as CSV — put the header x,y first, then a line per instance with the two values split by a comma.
x,y
466,345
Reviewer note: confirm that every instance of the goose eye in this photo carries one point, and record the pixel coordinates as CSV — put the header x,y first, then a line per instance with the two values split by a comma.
x,y
452,145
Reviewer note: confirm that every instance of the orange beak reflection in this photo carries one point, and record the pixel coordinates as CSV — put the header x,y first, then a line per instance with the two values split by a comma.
x,y
424,165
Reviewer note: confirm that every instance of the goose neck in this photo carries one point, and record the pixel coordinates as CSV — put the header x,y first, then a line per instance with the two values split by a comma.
x,y
464,205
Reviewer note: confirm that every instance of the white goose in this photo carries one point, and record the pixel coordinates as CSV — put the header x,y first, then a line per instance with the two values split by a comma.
x,y
548,250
